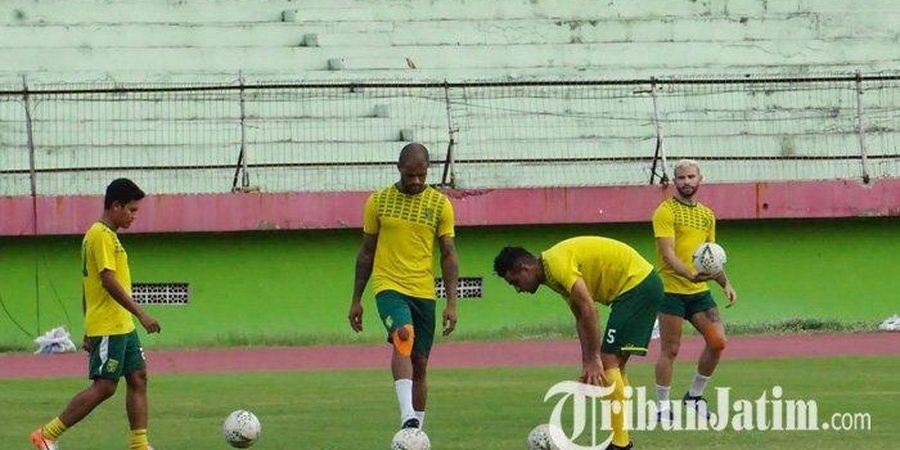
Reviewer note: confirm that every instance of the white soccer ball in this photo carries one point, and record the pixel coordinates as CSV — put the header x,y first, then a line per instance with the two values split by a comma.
x,y
539,438
411,439
241,429
710,258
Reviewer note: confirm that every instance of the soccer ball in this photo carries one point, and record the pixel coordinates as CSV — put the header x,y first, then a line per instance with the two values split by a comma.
x,y
241,429
411,439
709,258
539,438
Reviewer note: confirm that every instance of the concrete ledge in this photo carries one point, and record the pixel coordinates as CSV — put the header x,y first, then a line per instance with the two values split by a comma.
x,y
331,210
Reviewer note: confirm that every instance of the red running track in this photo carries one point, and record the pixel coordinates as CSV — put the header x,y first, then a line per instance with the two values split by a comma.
x,y
445,355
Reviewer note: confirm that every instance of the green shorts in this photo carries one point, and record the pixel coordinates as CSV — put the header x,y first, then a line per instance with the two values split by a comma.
x,y
397,310
114,356
632,316
686,305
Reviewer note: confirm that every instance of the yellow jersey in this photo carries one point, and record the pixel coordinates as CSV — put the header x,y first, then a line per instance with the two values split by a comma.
x,y
689,226
101,250
609,267
407,226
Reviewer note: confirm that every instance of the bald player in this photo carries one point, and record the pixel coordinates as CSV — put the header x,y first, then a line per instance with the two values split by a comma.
x,y
401,223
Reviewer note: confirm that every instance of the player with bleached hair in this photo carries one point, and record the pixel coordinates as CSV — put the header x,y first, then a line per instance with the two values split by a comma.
x,y
680,225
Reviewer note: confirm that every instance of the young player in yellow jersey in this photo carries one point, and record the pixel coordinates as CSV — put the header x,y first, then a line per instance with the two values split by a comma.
x,y
680,225
110,337
587,270
401,223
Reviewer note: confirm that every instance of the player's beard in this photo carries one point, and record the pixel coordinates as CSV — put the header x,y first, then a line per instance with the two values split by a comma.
x,y
687,191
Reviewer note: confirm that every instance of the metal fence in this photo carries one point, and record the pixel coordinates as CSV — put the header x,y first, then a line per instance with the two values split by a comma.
x,y
67,140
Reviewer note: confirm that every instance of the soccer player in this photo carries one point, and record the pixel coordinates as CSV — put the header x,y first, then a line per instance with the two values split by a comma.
x,y
400,225
587,270
680,225
110,337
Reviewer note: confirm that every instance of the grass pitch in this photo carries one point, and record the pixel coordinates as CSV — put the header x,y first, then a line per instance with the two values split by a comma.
x,y
469,409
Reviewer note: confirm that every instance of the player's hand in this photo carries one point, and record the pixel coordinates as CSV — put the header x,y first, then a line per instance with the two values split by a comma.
x,y
355,316
700,277
86,344
449,320
150,324
731,295
592,373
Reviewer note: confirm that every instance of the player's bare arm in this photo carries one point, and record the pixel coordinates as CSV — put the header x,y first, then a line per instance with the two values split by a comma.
x,y
730,293
587,323
667,246
365,258
450,274
86,341
108,279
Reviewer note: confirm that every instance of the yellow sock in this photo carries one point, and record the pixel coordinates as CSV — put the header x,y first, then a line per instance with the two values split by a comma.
x,y
54,429
620,434
138,440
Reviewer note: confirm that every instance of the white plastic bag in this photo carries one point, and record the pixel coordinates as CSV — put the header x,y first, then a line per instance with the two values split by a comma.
x,y
890,324
56,340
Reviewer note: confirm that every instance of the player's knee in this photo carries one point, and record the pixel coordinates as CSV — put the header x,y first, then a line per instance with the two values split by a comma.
x,y
717,343
104,389
420,366
670,350
137,380
403,339
419,374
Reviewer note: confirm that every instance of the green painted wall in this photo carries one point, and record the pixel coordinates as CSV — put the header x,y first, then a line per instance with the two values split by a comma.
x,y
295,286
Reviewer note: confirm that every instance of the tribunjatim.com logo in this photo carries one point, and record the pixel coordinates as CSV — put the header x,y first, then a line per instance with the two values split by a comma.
x,y
771,411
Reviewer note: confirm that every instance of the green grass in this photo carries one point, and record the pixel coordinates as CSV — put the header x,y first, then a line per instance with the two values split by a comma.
x,y
563,328
488,408
294,287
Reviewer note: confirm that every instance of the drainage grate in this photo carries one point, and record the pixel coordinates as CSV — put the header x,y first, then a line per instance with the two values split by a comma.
x,y
468,287
175,294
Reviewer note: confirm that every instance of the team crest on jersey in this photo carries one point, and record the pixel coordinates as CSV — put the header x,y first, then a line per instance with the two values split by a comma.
x,y
428,213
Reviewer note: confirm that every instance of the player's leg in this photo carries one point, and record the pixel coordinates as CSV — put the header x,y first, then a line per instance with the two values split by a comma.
x,y
706,319
395,316
136,395
671,320
612,370
85,401
105,370
423,317
136,407
627,333
420,386
78,408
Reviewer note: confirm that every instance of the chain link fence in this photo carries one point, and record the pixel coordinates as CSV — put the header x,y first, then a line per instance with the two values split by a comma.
x,y
292,137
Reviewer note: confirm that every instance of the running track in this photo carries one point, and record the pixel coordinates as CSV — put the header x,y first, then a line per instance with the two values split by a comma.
x,y
445,355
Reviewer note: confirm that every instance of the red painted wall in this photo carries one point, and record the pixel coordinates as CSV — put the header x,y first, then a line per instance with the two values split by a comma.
x,y
292,211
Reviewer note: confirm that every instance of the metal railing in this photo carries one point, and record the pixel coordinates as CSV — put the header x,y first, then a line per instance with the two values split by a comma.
x,y
62,140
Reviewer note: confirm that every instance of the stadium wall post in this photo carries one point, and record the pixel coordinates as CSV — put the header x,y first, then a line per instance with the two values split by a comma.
x,y
861,129
449,176
660,153
32,175
241,167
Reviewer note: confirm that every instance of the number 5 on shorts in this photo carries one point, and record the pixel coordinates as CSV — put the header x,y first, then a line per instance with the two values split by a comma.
x,y
611,336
